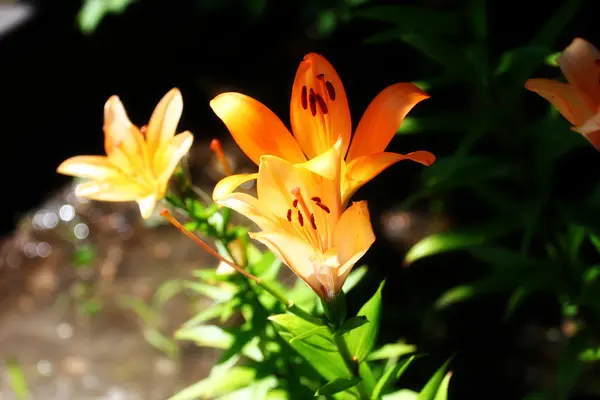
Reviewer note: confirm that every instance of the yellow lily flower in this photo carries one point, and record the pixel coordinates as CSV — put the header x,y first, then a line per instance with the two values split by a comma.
x,y
319,115
579,99
299,210
138,163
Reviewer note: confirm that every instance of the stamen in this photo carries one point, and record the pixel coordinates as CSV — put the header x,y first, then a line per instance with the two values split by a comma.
x,y
166,214
318,202
304,97
312,101
303,210
330,90
321,77
323,207
322,104
289,215
312,221
143,130
295,203
216,148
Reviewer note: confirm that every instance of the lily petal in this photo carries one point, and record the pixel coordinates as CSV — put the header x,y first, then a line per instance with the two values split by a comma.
x,y
276,180
163,122
120,133
227,185
580,62
591,130
326,164
361,170
180,145
319,107
91,167
383,117
353,236
574,105
255,128
251,208
109,190
296,254
147,205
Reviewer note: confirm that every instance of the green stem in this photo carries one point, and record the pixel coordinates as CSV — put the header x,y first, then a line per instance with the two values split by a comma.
x,y
351,364
289,304
268,287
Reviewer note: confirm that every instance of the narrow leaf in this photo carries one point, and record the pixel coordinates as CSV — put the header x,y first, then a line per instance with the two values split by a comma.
x,y
429,392
16,379
336,386
354,277
389,376
351,324
391,351
362,339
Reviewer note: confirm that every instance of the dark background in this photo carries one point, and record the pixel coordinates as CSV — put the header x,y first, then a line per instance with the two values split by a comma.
x,y
56,80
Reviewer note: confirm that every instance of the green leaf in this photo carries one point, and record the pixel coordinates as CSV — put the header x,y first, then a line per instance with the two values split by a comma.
x,y
268,267
390,376
459,239
413,19
223,379
93,11
16,379
431,388
205,315
595,241
83,256
258,390
146,313
438,122
354,278
351,324
521,60
309,333
477,15
440,50
216,337
318,350
464,171
442,392
336,386
166,291
362,339
392,350
402,394
221,293
161,342
554,26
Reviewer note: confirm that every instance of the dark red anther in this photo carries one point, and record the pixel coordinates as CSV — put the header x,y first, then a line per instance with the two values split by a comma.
x,y
300,218
304,97
324,207
312,102
322,104
330,90
312,221
289,215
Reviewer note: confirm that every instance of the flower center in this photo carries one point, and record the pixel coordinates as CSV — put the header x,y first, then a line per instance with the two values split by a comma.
x,y
302,214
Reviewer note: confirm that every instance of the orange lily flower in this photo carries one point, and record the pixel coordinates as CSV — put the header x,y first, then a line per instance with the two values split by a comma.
x,y
299,209
138,163
319,115
579,99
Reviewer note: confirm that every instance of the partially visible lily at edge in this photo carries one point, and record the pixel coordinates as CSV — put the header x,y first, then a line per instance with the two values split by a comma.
x,y
300,212
319,115
138,162
579,99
